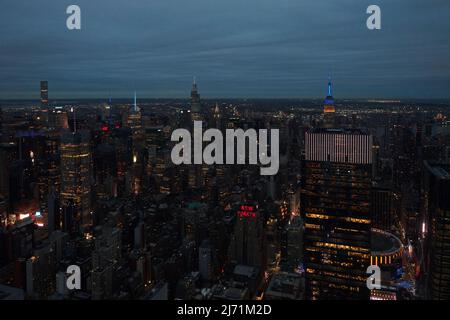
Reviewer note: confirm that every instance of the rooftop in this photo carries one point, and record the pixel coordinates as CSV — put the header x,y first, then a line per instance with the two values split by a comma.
x,y
384,243
442,171
339,131
284,285
11,293
246,271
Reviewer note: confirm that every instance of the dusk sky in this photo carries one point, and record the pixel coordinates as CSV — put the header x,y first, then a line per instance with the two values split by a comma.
x,y
235,48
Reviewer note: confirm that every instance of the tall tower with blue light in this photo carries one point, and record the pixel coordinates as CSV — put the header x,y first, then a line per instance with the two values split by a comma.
x,y
329,108
329,100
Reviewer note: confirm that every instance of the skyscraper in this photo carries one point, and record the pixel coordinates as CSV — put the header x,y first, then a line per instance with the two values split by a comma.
x,y
105,257
382,207
44,112
335,206
329,108
437,186
196,107
134,122
206,260
76,172
44,94
217,115
247,245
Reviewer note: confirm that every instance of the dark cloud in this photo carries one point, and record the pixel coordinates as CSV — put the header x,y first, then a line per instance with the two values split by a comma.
x,y
236,48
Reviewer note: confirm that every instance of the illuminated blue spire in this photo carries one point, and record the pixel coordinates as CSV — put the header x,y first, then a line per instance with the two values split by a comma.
x,y
194,84
330,87
135,103
329,100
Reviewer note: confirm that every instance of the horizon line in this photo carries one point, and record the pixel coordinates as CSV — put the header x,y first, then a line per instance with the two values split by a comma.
x,y
369,99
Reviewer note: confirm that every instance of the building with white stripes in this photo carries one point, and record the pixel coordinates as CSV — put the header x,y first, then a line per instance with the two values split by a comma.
x,y
335,206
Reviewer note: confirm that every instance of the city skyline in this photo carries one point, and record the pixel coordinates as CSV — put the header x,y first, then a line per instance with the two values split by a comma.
x,y
242,151
344,200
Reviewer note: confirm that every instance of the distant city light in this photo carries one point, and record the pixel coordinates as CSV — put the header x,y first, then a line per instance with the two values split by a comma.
x,y
23,216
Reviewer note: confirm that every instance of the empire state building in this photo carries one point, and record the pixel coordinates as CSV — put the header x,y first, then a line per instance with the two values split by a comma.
x,y
329,108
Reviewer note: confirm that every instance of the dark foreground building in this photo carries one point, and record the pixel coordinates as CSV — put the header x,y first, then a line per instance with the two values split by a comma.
x,y
437,186
335,206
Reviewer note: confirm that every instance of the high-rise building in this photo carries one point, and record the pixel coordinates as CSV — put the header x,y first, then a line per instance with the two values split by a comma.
x,y
105,257
1,124
248,245
382,208
76,171
44,94
54,212
217,115
335,206
134,122
206,261
329,108
294,243
7,155
40,272
196,107
437,186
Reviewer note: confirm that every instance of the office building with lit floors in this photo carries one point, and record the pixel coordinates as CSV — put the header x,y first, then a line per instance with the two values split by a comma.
x,y
44,94
44,102
335,206
437,198
76,171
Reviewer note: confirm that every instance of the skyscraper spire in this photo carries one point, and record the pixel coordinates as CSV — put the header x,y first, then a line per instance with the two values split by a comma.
x,y
330,86
216,109
194,84
110,110
196,108
72,109
329,108
135,102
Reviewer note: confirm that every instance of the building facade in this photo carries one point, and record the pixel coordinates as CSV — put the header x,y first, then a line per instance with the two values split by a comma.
x,y
335,206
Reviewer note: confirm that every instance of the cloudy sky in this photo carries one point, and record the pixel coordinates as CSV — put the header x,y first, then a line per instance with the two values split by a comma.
x,y
235,48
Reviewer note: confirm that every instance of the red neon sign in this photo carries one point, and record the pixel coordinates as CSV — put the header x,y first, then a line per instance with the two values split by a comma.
x,y
246,211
